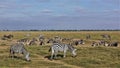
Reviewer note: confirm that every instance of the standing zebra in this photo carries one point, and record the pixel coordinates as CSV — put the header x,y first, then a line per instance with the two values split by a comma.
x,y
56,47
19,48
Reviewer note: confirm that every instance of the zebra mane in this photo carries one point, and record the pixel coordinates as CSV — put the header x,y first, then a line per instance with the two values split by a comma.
x,y
24,50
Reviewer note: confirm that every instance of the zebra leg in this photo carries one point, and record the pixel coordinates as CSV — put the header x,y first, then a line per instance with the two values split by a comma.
x,y
56,55
52,53
64,54
51,56
12,55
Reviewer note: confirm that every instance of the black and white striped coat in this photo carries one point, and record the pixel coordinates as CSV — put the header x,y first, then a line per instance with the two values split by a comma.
x,y
56,47
19,48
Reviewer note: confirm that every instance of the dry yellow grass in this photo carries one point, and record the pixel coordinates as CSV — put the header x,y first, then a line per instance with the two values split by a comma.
x,y
88,57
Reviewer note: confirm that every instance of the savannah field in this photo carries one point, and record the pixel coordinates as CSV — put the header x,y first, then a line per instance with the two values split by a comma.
x,y
87,56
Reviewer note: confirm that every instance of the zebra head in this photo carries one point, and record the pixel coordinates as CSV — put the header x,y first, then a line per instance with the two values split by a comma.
x,y
27,56
74,53
72,50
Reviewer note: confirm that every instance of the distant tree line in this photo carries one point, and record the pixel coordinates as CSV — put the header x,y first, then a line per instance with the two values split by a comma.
x,y
64,30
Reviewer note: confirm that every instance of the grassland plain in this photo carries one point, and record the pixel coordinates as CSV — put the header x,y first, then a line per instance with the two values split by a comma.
x,y
88,57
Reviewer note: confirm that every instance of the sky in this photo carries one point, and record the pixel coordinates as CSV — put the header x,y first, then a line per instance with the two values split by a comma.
x,y
59,14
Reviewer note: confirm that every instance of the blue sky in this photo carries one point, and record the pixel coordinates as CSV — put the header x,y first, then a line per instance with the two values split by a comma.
x,y
59,14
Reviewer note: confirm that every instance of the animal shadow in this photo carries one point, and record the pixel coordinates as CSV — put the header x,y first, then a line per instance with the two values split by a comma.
x,y
59,56
20,58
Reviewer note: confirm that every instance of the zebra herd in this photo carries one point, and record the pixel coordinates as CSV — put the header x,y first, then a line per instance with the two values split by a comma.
x,y
55,48
57,44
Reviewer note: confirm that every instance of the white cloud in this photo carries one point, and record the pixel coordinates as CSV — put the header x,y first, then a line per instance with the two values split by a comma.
x,y
46,11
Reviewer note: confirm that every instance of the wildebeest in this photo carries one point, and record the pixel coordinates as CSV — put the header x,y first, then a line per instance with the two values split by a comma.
x,y
5,37
56,47
20,49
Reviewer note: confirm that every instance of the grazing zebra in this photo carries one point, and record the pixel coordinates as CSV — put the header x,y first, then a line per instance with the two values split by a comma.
x,y
34,41
53,41
25,41
95,43
99,43
77,42
56,47
20,49
50,40
66,39
106,36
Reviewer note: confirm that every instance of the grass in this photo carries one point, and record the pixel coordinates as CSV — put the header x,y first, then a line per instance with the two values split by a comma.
x,y
96,57
87,56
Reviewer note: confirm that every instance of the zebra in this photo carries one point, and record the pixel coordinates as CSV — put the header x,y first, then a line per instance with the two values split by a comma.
x,y
20,49
77,42
106,36
25,41
56,47
95,43
50,40
53,41
34,41
100,43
